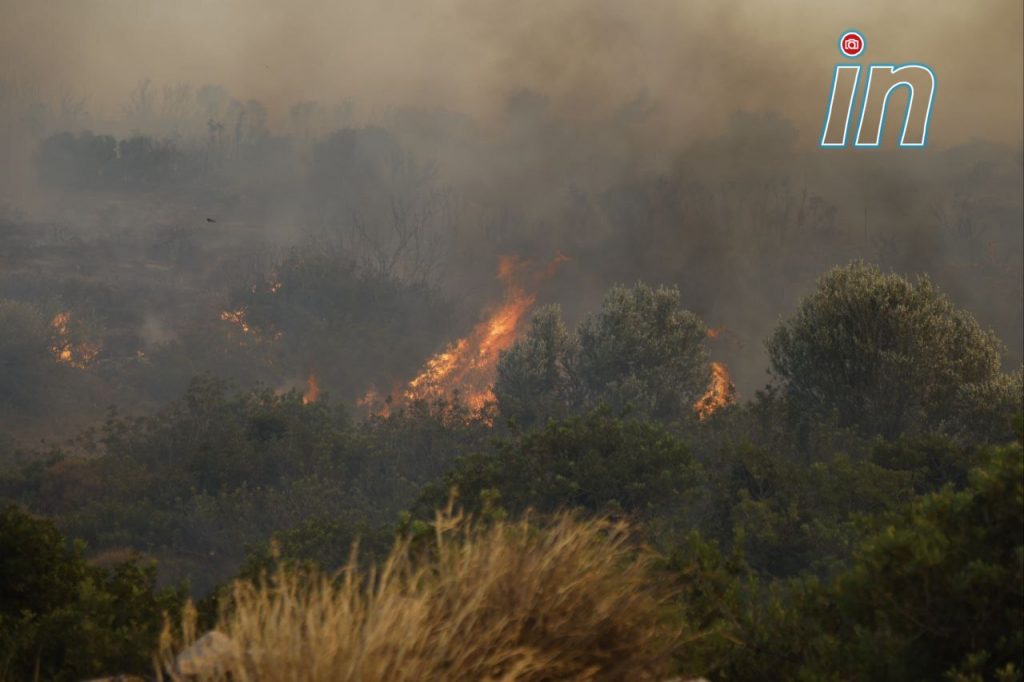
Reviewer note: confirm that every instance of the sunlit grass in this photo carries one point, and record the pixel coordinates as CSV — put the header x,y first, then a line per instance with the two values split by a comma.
x,y
495,601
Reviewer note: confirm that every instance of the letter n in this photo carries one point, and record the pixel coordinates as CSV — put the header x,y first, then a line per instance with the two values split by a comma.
x,y
883,79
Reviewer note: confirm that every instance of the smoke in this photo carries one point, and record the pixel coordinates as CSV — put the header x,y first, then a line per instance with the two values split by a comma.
x,y
691,63
673,142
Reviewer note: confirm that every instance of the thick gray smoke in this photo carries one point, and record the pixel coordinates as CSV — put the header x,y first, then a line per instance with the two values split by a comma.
x,y
665,141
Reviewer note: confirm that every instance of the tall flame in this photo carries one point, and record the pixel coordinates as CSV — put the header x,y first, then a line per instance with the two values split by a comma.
x,y
312,391
468,365
719,394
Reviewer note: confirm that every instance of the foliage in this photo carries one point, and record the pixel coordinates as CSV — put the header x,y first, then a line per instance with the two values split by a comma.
x,y
215,474
938,589
641,352
537,375
888,355
933,590
62,618
88,161
567,600
597,462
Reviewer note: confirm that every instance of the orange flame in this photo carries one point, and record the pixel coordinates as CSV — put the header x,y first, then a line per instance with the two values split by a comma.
x,y
237,318
64,350
377,407
312,390
468,365
720,393
715,332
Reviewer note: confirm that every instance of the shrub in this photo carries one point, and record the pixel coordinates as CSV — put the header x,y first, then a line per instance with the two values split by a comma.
x,y
509,601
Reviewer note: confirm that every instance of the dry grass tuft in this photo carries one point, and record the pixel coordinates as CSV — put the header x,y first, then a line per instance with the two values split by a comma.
x,y
502,601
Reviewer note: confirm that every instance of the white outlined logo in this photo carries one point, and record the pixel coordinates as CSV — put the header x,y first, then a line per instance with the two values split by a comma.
x,y
882,81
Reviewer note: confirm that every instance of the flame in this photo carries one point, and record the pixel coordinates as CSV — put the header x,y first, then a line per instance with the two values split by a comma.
x,y
237,318
468,365
715,332
273,284
312,390
720,393
64,350
377,406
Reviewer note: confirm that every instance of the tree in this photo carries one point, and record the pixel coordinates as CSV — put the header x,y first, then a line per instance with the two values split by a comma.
x,y
642,349
536,377
888,355
62,618
641,353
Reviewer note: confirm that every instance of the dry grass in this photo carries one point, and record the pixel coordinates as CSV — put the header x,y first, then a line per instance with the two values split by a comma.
x,y
505,601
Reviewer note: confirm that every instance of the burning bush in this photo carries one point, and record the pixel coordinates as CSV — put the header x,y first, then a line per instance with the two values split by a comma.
x,y
504,601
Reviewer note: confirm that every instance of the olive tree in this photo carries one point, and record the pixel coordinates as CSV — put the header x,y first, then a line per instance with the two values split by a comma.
x,y
536,377
888,355
641,351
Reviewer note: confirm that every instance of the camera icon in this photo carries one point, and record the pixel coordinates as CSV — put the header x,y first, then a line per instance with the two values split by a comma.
x,y
851,44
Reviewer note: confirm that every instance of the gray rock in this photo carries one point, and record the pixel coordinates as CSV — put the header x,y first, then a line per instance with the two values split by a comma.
x,y
212,654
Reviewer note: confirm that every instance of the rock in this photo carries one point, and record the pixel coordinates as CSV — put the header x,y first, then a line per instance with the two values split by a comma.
x,y
212,654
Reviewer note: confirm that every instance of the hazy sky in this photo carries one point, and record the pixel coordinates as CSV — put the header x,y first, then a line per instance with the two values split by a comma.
x,y
696,60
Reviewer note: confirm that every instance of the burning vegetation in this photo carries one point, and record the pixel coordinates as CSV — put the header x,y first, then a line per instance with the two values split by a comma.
x,y
720,393
65,350
467,366
236,318
312,392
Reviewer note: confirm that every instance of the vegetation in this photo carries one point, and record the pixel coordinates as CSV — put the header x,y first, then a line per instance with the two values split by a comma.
x,y
857,518
63,618
640,351
887,355
568,600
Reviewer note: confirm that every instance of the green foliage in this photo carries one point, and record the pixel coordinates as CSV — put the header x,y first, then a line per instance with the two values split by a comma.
x,y
596,462
62,618
537,375
642,350
214,474
938,590
889,356
933,590
639,353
